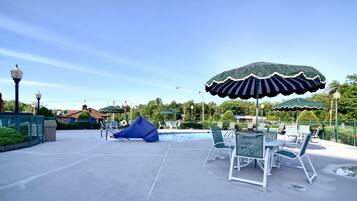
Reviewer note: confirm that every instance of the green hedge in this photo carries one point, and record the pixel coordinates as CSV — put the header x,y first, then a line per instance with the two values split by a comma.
x,y
345,135
9,136
77,126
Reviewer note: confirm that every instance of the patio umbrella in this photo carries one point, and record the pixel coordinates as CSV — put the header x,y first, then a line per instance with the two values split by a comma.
x,y
261,79
169,111
298,104
111,109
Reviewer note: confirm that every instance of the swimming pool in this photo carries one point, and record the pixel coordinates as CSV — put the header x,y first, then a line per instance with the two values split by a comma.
x,y
184,136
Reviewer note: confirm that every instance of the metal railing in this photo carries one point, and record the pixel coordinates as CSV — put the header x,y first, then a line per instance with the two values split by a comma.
x,y
25,123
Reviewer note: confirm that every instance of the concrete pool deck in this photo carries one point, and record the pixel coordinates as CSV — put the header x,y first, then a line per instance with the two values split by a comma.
x,y
80,166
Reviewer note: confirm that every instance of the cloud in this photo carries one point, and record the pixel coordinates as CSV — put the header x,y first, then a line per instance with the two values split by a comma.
x,y
79,68
44,35
34,83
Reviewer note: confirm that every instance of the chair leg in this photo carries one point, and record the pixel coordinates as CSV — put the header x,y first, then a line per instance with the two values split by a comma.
x,y
209,153
312,167
231,167
266,167
307,175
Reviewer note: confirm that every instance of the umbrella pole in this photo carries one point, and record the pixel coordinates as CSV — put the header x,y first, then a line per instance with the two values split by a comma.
x,y
257,107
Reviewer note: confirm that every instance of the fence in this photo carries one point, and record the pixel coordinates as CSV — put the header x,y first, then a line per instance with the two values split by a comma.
x,y
26,123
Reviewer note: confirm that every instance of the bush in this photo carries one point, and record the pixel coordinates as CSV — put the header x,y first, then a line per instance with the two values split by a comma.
x,y
228,116
194,125
77,125
10,136
345,135
45,112
84,115
307,116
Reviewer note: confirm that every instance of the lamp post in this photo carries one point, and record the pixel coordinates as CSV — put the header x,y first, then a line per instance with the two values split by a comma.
x,y
336,96
38,97
16,75
192,118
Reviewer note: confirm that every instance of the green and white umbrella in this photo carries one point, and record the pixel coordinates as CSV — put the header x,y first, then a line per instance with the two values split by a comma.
x,y
298,104
112,109
261,79
169,111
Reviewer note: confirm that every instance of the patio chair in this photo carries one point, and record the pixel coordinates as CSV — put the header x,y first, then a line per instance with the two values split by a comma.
x,y
291,131
281,129
286,153
250,126
303,131
315,134
219,143
261,127
251,147
114,125
220,124
231,129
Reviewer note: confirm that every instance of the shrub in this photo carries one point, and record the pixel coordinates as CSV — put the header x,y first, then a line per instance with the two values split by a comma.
x,y
194,125
10,136
77,125
307,116
84,115
45,112
228,116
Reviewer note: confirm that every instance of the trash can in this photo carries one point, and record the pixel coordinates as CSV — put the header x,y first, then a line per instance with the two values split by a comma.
x,y
50,130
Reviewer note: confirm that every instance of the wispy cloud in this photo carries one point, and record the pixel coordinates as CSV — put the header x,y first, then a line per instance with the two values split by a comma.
x,y
79,68
43,35
34,83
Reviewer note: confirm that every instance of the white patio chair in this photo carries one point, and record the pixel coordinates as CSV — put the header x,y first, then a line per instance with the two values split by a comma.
x,y
251,147
286,153
220,124
250,126
315,135
231,129
219,143
291,131
261,127
303,131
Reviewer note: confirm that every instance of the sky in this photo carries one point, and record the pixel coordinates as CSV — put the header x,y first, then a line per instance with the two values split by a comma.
x,y
97,52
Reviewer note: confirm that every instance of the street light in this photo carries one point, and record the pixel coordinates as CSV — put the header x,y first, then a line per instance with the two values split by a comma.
x,y
16,75
203,105
262,107
336,96
38,97
192,118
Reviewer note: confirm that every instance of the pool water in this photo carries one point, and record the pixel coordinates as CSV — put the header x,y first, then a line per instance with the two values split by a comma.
x,y
183,136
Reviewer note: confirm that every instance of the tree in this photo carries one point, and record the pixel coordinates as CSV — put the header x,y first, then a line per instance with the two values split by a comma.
x,y
45,112
84,115
228,116
307,116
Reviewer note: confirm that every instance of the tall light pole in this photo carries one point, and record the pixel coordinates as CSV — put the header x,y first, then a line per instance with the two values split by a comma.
x,y
16,75
192,118
336,96
203,105
262,106
38,97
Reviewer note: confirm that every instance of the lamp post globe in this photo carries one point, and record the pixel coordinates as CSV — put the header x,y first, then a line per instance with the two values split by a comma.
x,y
38,97
16,75
336,96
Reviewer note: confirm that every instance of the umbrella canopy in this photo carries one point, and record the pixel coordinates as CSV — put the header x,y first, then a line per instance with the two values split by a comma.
x,y
260,79
169,111
111,109
297,104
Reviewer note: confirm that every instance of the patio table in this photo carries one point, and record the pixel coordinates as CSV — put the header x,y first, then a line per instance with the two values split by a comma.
x,y
273,145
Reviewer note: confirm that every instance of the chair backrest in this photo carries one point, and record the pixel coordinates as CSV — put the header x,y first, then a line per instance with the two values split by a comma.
x,y
250,125
304,146
281,127
250,145
220,124
305,129
291,130
217,137
271,133
232,125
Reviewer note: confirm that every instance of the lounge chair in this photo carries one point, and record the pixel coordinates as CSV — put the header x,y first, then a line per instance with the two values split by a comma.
x,y
281,129
219,143
261,127
315,134
303,131
250,147
291,131
285,153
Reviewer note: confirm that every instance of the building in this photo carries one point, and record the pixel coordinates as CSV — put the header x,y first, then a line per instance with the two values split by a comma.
x,y
73,115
